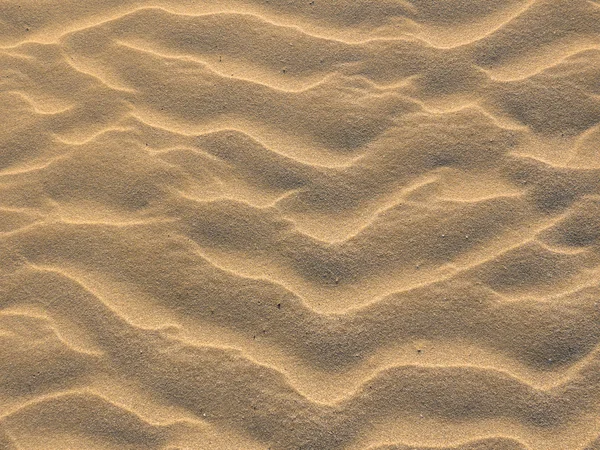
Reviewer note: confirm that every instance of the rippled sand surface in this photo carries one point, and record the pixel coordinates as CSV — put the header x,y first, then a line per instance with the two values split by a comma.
x,y
328,224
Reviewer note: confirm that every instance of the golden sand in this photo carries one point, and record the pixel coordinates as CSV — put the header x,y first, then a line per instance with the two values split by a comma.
x,y
328,224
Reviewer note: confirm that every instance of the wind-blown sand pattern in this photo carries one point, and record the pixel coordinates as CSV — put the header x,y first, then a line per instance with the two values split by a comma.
x,y
329,224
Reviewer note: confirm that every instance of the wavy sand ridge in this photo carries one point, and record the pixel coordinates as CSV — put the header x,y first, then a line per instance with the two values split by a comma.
x,y
295,225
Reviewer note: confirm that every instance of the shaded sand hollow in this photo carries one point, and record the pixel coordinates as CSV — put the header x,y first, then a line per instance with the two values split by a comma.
x,y
285,224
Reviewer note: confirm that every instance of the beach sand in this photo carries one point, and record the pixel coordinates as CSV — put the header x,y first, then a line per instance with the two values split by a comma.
x,y
328,224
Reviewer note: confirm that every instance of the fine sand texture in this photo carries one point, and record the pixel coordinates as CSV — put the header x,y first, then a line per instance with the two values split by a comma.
x,y
286,224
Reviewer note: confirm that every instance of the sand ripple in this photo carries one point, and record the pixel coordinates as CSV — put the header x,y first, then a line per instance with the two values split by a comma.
x,y
300,225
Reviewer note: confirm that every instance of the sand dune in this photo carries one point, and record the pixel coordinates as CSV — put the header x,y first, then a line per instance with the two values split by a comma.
x,y
300,225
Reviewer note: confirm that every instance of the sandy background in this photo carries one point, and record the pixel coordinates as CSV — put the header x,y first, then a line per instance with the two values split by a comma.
x,y
328,224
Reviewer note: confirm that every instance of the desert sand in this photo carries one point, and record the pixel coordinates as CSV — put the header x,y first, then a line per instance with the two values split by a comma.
x,y
285,224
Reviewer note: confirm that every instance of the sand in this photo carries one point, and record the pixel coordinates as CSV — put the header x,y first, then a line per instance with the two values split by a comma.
x,y
284,224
